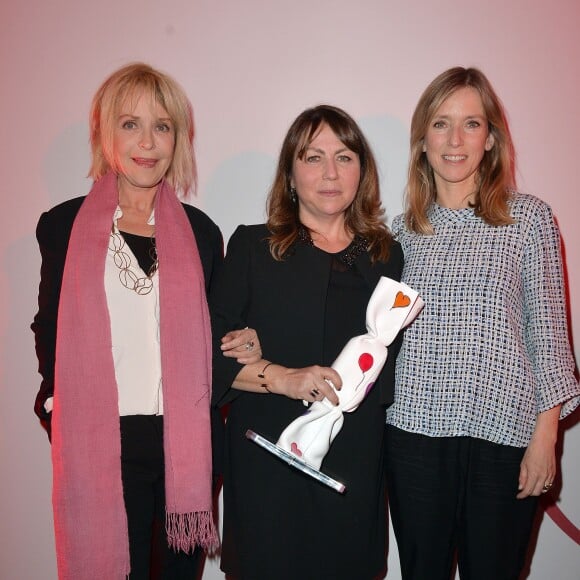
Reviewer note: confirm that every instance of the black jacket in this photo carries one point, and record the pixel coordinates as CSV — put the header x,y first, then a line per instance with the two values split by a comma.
x,y
53,234
285,302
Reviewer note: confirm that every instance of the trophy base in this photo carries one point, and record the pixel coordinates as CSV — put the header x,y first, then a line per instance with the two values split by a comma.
x,y
296,462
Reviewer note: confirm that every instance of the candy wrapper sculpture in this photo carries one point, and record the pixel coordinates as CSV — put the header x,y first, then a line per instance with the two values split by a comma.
x,y
306,441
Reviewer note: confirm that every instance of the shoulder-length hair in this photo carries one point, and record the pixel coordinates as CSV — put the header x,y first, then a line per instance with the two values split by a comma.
x,y
123,88
364,217
496,172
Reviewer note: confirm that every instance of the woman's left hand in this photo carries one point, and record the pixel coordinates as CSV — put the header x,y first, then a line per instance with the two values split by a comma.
x,y
243,345
538,467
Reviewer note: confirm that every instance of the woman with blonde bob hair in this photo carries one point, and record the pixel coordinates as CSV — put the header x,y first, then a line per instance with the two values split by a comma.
x,y
124,344
122,90
486,370
303,281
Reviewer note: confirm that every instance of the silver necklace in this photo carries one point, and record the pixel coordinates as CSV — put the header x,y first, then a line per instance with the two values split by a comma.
x,y
129,279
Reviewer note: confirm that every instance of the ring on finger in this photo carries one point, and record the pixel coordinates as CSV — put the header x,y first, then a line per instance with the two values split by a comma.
x,y
249,345
547,486
315,392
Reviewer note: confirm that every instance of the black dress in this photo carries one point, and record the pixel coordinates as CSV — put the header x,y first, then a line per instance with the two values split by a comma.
x,y
279,523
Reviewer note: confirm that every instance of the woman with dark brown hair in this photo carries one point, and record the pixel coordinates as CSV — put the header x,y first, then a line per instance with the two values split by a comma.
x,y
303,281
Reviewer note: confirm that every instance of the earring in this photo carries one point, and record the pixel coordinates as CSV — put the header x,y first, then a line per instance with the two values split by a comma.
x,y
293,196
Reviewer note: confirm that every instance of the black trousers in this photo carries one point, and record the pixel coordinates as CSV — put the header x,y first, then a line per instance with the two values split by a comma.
x,y
456,496
142,465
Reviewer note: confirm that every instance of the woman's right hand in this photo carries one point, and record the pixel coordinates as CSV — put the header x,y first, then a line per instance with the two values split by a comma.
x,y
309,383
243,345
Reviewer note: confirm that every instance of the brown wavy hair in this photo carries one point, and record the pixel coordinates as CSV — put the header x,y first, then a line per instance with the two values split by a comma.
x,y
126,86
496,172
364,217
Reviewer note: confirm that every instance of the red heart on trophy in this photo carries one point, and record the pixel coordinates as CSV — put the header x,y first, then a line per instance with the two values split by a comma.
x,y
401,300
294,448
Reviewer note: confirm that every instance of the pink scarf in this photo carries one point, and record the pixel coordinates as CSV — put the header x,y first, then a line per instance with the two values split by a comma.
x,y
89,512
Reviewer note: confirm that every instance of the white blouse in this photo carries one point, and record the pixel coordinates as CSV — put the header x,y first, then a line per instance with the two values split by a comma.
x,y
134,332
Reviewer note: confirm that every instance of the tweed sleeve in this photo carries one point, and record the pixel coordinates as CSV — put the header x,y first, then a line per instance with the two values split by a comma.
x,y
545,323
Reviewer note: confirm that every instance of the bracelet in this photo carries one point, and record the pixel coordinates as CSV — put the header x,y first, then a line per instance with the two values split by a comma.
x,y
263,376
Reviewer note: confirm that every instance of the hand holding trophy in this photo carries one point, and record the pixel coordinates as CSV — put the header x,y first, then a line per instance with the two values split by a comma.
x,y
306,440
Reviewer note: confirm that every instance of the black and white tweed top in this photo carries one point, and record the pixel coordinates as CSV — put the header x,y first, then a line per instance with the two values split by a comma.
x,y
490,350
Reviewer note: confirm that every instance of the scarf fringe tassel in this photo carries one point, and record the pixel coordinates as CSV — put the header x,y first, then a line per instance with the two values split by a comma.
x,y
186,531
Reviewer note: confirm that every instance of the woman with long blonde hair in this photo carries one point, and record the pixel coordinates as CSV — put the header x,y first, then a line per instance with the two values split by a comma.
x,y
486,370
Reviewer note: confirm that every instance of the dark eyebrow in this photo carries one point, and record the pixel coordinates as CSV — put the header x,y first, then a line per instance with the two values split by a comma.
x,y
321,151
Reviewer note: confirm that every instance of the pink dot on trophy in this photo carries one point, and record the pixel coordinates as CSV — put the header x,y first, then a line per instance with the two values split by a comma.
x,y
365,362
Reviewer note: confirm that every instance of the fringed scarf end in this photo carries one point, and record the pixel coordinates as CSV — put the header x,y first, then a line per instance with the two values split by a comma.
x,y
186,531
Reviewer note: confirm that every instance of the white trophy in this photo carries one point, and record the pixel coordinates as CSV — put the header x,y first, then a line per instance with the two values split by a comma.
x,y
306,441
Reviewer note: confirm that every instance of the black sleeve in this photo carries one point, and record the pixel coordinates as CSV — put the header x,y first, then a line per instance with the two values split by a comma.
x,y
209,240
398,260
217,257
229,300
52,233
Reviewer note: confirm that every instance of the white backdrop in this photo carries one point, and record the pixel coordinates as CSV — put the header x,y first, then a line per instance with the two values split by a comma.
x,y
249,68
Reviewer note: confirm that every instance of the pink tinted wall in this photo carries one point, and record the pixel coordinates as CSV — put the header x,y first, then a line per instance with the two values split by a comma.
x,y
250,67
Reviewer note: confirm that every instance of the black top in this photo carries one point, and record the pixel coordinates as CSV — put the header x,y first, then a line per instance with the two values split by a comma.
x,y
278,522
141,247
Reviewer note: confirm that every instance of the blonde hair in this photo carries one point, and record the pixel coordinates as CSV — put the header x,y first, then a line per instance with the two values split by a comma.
x,y
364,217
126,86
496,172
